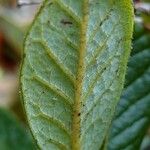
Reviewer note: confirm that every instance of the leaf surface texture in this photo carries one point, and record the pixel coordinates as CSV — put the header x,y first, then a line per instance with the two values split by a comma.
x,y
73,71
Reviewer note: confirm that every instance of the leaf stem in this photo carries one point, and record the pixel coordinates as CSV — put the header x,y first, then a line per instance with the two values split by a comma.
x,y
78,91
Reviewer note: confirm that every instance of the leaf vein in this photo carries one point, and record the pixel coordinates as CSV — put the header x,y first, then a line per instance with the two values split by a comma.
x,y
100,23
64,37
66,71
96,101
134,103
98,75
129,125
57,91
61,146
68,11
54,121
101,48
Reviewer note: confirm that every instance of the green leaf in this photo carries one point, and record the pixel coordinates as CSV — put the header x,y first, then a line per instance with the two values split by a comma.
x,y
73,71
12,135
133,114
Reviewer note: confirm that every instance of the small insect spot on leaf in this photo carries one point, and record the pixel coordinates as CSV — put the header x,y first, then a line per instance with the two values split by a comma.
x,y
66,22
100,23
79,114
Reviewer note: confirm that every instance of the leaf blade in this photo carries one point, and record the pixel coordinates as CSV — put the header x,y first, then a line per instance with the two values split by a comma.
x,y
51,85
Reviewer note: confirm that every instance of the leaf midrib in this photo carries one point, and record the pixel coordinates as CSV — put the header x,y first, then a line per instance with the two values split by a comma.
x,y
79,80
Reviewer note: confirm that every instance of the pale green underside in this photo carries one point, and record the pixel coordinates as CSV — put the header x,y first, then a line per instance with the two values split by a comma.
x,y
50,69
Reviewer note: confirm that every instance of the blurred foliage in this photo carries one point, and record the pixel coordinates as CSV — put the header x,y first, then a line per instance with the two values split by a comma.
x,y
143,12
13,135
1,73
14,22
7,2
133,116
11,30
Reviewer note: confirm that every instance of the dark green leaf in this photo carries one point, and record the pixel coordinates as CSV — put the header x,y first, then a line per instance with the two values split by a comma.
x,y
13,135
133,114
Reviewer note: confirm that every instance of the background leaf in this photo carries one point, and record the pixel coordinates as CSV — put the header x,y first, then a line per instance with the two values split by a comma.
x,y
12,134
13,33
133,114
73,71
